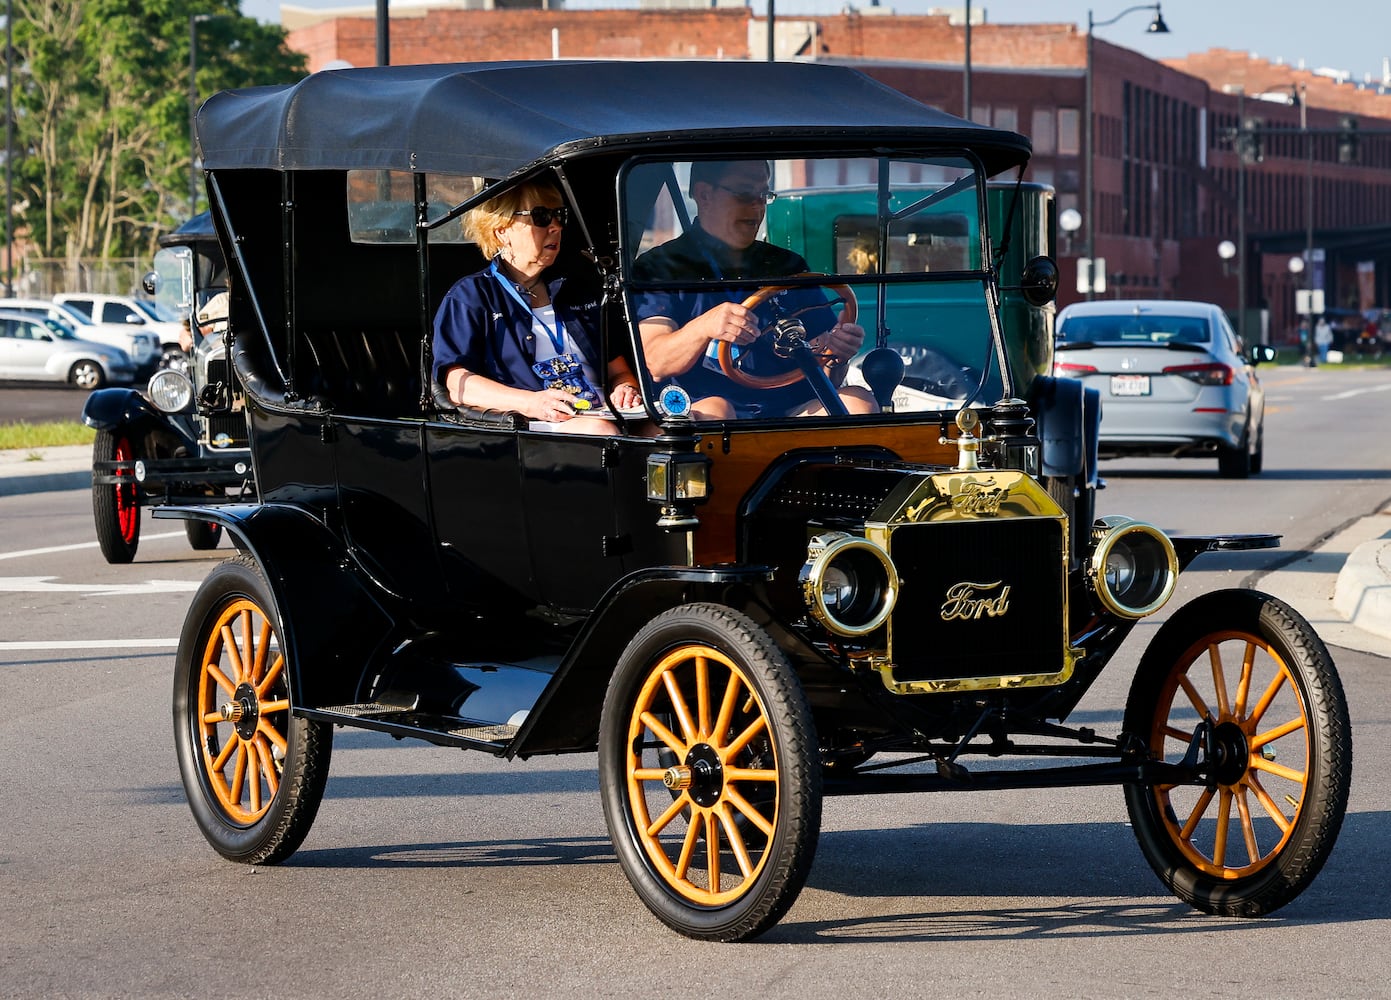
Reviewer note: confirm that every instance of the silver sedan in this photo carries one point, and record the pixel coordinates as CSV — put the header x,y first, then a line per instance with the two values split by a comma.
x,y
1173,380
32,348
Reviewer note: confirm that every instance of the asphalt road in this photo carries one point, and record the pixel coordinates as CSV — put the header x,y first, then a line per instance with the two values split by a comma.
x,y
436,872
39,403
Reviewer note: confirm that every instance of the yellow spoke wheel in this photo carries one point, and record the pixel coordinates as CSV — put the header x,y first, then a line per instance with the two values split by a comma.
x,y
710,775
1249,681
253,772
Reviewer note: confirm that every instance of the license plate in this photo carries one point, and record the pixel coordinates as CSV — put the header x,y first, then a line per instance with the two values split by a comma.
x,y
1130,385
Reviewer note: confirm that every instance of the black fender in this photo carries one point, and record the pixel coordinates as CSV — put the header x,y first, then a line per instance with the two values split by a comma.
x,y
334,624
110,409
123,409
566,716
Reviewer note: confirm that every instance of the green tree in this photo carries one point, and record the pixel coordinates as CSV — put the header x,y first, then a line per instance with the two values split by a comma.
x,y
102,153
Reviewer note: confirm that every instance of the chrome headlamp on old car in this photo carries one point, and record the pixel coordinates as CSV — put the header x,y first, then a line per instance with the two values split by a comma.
x,y
171,391
1133,568
849,583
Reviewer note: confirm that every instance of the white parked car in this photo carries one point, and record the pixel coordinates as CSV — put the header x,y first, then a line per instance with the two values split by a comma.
x,y
142,346
37,348
146,314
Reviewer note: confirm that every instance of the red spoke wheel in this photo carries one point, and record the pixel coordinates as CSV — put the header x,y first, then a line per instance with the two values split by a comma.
x,y
710,774
116,508
1279,747
253,772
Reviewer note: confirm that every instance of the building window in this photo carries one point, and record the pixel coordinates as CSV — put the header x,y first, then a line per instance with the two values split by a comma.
x,y
1044,134
1069,132
1007,117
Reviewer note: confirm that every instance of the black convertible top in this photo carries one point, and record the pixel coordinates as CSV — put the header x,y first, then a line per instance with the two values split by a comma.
x,y
494,119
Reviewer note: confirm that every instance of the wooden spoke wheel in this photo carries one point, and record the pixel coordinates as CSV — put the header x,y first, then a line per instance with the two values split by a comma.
x,y
710,775
253,772
729,364
116,507
1252,680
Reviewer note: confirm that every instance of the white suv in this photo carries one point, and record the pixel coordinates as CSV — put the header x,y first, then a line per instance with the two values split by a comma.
x,y
142,313
142,345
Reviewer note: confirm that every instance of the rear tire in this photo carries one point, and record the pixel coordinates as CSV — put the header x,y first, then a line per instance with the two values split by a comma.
x,y
203,535
1235,463
116,508
253,771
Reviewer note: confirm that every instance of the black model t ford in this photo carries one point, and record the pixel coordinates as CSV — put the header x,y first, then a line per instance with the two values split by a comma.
x,y
184,440
740,616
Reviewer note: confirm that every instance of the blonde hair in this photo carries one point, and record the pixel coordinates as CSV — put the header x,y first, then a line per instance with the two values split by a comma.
x,y
482,222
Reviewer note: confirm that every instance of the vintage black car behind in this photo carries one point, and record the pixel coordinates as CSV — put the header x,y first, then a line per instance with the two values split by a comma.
x,y
184,440
740,615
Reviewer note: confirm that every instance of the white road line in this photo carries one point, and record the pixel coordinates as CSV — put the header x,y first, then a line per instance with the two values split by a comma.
x,y
41,585
1357,392
93,644
81,545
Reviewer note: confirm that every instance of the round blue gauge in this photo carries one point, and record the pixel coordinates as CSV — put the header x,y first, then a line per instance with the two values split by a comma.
x,y
674,401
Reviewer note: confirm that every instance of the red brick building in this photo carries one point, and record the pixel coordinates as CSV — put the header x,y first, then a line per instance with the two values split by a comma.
x,y
1168,181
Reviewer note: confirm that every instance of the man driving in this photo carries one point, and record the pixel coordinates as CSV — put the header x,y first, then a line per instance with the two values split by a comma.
x,y
682,330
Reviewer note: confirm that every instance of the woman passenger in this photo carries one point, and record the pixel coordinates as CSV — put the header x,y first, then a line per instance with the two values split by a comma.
x,y
520,336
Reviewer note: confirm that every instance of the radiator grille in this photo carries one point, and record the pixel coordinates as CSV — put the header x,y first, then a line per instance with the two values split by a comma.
x,y
1000,585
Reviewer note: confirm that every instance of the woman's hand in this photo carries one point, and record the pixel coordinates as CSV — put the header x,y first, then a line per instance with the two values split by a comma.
x,y
551,405
625,396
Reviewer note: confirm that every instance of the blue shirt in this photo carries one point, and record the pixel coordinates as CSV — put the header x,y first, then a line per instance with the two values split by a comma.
x,y
697,256
482,327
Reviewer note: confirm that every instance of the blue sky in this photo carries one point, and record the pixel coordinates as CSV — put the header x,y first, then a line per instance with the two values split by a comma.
x,y
1350,35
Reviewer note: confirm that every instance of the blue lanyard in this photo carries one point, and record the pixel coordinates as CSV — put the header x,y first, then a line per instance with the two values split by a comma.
x,y
557,335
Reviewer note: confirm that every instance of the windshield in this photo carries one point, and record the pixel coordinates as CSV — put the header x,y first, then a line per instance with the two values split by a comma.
x,y
59,329
73,316
155,311
895,247
1133,328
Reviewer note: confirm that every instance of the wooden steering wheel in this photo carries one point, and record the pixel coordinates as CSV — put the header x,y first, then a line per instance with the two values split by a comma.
x,y
751,381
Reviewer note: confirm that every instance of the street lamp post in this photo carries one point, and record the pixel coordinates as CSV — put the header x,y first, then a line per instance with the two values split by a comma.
x,y
9,147
966,68
1156,27
193,21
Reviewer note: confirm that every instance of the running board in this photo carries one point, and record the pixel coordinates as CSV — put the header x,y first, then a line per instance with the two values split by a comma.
x,y
442,730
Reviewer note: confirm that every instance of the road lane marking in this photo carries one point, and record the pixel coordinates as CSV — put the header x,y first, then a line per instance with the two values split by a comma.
x,y
41,585
1356,392
81,545
92,644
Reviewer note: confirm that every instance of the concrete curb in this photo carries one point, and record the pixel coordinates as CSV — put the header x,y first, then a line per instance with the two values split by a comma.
x,y
42,470
1363,592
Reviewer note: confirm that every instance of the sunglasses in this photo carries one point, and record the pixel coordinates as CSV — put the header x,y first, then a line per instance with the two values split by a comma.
x,y
764,197
543,216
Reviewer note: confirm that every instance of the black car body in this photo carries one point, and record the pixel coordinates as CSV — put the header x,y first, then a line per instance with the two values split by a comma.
x,y
184,439
739,616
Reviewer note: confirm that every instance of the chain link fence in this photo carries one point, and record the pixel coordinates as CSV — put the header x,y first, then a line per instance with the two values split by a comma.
x,y
43,277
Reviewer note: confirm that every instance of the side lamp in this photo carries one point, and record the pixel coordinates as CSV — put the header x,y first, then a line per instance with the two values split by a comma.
x,y
677,481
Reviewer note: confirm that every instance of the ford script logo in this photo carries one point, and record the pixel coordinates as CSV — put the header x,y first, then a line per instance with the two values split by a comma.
x,y
979,498
968,601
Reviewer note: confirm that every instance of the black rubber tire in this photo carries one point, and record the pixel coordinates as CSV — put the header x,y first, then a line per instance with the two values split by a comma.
x,y
203,535
1219,848
87,375
115,509
267,825
1258,455
1235,463
775,822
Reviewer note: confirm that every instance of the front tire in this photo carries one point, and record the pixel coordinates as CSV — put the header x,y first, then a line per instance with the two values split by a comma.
x,y
116,508
86,375
1279,747
253,772
725,857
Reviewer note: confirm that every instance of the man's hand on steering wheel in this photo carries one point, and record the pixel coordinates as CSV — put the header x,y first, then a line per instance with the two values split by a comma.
x,y
839,344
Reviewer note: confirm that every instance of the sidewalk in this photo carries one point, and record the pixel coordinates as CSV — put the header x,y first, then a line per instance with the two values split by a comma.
x,y
1343,588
